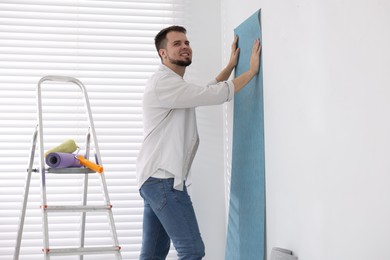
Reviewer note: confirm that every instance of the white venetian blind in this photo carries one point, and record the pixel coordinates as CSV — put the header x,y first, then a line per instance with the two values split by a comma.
x,y
108,45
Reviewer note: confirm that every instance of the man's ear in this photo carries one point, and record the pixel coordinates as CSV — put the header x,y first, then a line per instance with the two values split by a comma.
x,y
162,53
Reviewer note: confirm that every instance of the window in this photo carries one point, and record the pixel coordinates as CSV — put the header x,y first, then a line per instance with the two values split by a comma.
x,y
107,45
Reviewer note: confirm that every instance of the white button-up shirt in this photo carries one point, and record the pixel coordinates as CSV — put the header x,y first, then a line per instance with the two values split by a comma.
x,y
170,131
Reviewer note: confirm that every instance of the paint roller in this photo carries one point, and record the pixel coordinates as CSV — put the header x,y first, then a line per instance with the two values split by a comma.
x,y
89,164
69,146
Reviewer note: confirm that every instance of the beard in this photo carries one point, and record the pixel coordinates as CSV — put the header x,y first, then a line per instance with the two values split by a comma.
x,y
183,63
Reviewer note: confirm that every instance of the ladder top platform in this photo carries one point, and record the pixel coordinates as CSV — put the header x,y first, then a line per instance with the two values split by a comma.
x,y
70,170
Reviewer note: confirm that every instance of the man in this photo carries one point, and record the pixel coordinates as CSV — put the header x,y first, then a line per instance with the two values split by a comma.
x,y
171,141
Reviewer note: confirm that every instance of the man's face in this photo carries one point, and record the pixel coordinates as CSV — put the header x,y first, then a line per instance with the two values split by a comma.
x,y
178,50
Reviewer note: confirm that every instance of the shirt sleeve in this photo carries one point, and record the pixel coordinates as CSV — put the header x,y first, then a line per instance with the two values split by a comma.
x,y
174,92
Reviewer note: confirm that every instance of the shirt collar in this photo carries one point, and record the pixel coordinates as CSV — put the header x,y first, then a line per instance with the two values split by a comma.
x,y
165,68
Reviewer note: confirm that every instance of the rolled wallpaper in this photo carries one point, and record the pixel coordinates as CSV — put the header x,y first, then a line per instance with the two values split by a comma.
x,y
62,160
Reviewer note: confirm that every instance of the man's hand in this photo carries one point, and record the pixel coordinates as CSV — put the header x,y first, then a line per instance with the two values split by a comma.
x,y
254,63
225,73
234,54
254,66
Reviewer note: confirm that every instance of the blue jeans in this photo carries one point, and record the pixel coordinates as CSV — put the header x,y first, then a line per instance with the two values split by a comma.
x,y
169,215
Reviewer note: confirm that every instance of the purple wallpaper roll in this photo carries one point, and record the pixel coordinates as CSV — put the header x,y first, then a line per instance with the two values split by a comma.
x,y
62,160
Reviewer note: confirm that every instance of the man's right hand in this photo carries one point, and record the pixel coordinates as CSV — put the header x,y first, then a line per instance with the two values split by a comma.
x,y
255,58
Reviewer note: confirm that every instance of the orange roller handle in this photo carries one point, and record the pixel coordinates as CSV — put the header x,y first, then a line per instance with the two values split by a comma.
x,y
91,165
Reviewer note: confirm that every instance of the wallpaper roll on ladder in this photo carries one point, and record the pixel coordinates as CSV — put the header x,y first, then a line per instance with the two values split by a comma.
x,y
246,221
62,160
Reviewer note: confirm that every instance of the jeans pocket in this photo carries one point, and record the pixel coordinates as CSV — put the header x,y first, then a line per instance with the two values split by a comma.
x,y
182,197
152,191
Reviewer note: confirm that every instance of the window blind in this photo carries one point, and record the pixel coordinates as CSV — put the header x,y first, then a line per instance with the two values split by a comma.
x,y
108,46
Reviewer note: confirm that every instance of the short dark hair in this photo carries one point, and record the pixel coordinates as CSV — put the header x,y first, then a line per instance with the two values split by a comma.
x,y
160,41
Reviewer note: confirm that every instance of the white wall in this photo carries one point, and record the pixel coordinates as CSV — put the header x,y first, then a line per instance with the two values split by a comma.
x,y
327,126
207,190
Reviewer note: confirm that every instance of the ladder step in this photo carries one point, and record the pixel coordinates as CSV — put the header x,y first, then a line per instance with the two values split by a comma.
x,y
77,208
83,250
70,170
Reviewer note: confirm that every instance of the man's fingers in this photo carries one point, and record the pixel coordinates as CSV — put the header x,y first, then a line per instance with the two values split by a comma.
x,y
236,39
234,44
256,45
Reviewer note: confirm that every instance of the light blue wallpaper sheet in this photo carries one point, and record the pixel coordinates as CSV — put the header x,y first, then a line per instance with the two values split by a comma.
x,y
246,223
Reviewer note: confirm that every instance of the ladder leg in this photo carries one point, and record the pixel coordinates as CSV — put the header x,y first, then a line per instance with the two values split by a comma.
x,y
85,195
101,176
114,234
25,196
83,214
45,221
110,215
107,199
42,170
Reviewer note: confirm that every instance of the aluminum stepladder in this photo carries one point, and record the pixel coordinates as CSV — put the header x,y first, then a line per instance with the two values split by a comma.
x,y
83,208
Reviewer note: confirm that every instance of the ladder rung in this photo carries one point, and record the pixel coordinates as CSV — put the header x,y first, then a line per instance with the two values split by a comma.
x,y
83,250
77,208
